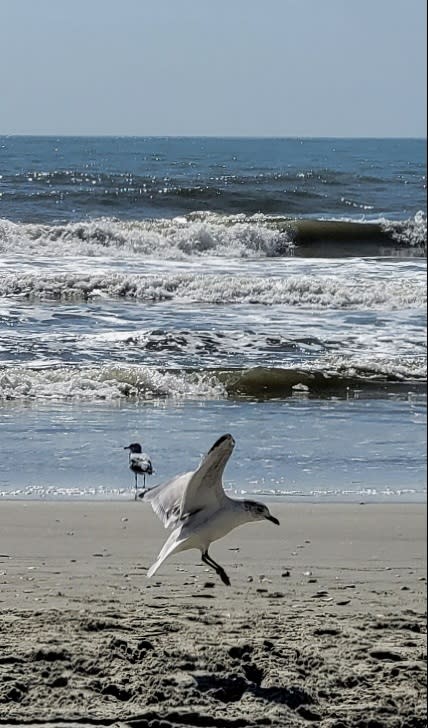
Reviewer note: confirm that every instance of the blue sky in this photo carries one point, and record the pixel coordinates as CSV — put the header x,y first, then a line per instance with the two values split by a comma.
x,y
213,67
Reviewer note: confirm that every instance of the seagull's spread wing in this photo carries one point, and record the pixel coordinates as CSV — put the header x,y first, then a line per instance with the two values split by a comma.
x,y
205,488
191,492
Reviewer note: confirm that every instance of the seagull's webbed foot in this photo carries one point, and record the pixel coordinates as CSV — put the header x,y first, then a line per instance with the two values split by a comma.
x,y
217,568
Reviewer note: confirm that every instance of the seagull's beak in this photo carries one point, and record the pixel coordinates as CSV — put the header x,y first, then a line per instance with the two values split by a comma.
x,y
126,448
272,519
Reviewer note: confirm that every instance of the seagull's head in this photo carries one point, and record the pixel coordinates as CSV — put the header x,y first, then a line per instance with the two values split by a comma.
x,y
259,512
134,447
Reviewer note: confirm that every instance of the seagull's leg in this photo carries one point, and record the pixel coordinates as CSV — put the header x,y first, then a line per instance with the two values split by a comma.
x,y
136,487
144,481
206,558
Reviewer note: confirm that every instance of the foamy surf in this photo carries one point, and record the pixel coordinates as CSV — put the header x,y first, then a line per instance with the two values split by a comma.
x,y
338,376
177,238
210,234
106,383
310,291
280,493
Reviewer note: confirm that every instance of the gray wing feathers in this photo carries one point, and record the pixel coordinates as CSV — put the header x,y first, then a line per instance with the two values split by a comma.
x,y
166,499
200,489
140,462
205,489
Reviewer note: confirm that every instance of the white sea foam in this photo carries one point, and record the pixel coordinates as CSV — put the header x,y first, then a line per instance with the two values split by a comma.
x,y
281,493
371,365
176,238
115,382
197,235
310,291
106,383
412,232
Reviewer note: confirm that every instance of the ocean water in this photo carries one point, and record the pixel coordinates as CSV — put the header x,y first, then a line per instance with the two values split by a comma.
x,y
171,290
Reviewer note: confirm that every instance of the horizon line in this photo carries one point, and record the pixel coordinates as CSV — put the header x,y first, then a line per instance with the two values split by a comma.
x,y
206,136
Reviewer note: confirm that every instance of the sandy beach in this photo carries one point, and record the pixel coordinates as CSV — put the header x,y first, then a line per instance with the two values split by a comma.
x,y
324,621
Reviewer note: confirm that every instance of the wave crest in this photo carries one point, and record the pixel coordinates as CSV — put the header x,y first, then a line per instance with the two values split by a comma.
x,y
338,377
410,233
297,290
168,239
106,383
210,234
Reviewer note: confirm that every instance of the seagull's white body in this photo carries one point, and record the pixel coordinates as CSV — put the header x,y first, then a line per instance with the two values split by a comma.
x,y
198,511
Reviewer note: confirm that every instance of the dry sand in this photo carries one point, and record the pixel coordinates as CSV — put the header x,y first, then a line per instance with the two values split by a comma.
x,y
324,622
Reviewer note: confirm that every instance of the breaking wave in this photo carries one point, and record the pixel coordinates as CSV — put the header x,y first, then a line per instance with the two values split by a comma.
x,y
106,383
168,239
322,291
341,377
210,234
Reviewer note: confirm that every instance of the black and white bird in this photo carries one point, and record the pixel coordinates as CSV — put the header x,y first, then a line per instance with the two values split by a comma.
x,y
139,463
197,509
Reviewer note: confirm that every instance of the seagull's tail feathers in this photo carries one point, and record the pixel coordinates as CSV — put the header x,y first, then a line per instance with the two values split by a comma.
x,y
174,543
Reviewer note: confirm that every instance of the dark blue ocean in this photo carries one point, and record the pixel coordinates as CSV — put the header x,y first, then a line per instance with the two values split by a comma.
x,y
169,290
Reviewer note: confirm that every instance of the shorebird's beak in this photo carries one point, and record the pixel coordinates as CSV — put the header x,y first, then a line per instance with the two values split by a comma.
x,y
272,519
126,448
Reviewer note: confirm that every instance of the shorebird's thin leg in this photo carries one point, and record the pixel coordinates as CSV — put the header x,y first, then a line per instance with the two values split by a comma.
x,y
206,558
144,481
136,487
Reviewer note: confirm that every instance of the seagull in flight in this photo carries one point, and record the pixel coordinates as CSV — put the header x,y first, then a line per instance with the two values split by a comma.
x,y
198,511
139,463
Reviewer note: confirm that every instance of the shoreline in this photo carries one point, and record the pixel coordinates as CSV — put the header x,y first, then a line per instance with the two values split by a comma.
x,y
411,497
324,621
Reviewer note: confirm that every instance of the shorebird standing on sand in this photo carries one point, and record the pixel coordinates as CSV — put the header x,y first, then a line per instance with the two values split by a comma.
x,y
198,510
139,463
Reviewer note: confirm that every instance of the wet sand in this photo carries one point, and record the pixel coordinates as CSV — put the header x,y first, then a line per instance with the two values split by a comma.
x,y
324,622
